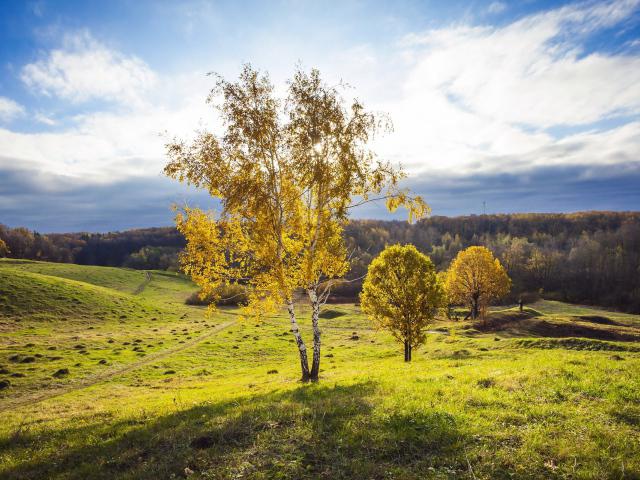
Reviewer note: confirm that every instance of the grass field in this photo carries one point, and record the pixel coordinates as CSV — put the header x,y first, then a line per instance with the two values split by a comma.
x,y
108,374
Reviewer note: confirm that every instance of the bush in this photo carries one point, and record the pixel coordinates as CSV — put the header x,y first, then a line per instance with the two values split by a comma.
x,y
153,258
230,294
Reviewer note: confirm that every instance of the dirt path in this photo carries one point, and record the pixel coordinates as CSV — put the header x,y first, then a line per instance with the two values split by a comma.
x,y
143,285
37,397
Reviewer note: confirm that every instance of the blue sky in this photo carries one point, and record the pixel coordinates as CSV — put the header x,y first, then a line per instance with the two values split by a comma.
x,y
527,106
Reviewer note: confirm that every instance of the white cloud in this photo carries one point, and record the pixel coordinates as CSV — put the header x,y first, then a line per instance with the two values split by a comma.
x,y
44,119
464,99
85,69
497,7
103,147
480,99
10,109
525,73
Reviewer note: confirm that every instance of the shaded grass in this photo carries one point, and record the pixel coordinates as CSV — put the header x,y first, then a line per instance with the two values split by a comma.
x,y
578,344
532,322
329,432
42,297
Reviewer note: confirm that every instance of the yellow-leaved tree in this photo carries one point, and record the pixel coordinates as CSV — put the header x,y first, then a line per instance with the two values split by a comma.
x,y
402,294
475,278
4,250
286,173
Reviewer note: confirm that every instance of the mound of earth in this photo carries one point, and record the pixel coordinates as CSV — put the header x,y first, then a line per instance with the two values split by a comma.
x,y
545,328
596,319
331,313
571,343
501,320
529,324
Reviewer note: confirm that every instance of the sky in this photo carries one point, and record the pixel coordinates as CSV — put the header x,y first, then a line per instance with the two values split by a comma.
x,y
497,107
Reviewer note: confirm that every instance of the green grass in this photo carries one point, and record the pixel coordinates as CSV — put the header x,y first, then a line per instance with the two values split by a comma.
x,y
510,402
124,280
36,296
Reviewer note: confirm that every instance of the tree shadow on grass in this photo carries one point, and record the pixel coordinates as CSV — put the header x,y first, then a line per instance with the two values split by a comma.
x,y
516,324
310,432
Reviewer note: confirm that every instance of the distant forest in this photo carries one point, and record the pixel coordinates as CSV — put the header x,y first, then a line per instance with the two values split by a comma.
x,y
587,257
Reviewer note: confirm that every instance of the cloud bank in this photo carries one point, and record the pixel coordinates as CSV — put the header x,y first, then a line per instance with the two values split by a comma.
x,y
524,115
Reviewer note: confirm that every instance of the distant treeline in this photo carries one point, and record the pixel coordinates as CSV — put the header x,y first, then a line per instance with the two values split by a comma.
x,y
588,257
149,248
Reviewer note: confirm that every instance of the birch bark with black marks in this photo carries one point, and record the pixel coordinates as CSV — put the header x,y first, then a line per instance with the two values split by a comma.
x,y
315,319
302,348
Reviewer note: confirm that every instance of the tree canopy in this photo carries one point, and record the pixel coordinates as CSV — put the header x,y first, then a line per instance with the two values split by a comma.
x,y
4,250
286,173
402,294
476,278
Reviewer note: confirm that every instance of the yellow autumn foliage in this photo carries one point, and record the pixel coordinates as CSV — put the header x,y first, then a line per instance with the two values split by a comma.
x,y
286,173
475,278
402,294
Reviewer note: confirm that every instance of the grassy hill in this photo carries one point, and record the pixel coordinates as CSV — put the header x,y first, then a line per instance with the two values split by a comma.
x,y
169,287
44,297
154,389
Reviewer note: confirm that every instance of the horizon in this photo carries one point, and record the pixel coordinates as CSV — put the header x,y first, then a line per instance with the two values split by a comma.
x,y
356,219
497,107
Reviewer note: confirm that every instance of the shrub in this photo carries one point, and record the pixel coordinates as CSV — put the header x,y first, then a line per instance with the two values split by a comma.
x,y
230,294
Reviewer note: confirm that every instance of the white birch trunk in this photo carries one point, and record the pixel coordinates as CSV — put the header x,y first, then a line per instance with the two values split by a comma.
x,y
302,348
315,318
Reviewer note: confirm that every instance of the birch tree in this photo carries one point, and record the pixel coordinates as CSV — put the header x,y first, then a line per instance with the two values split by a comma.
x,y
287,172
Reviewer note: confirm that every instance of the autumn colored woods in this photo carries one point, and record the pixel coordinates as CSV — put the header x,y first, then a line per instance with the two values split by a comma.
x,y
587,257
286,171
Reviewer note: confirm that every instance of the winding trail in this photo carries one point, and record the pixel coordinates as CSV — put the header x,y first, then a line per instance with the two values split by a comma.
x,y
37,397
143,285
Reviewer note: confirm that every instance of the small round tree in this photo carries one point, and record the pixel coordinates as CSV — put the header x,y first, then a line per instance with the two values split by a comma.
x,y
475,278
402,294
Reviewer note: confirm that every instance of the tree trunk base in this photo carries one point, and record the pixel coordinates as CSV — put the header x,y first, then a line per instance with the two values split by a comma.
x,y
407,351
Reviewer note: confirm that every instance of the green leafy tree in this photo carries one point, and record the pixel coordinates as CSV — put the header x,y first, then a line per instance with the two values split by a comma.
x,y
402,294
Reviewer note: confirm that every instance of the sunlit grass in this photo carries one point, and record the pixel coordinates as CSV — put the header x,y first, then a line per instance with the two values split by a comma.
x,y
472,404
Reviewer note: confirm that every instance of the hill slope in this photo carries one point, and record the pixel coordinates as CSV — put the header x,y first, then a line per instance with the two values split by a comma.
x,y
62,324
24,294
